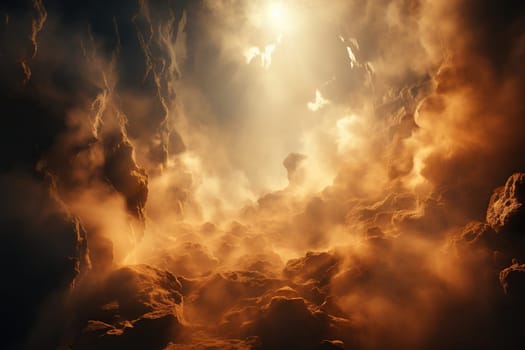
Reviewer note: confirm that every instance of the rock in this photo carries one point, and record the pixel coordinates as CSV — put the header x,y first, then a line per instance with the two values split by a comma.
x,y
505,212
43,251
475,232
122,171
151,331
249,343
136,307
512,279
289,323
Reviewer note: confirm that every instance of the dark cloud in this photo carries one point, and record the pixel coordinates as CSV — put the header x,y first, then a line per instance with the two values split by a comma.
x,y
291,163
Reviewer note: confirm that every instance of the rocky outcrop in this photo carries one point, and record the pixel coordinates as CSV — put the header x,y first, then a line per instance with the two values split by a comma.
x,y
293,323
512,279
135,307
506,210
130,180
43,251
499,241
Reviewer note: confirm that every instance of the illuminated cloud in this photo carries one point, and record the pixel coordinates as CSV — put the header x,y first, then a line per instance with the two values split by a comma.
x,y
264,55
318,103
351,56
348,133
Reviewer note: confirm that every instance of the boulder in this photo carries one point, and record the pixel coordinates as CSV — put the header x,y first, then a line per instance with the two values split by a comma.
x,y
505,212
135,307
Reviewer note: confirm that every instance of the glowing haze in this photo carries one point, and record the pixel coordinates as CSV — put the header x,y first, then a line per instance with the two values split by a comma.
x,y
227,174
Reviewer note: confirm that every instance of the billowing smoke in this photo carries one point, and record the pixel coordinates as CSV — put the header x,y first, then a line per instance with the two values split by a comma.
x,y
295,174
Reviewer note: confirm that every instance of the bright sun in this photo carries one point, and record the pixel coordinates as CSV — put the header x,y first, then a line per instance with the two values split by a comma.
x,y
277,14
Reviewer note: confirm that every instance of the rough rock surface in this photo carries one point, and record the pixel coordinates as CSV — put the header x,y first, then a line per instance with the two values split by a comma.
x,y
512,279
499,240
135,307
506,211
218,344
293,323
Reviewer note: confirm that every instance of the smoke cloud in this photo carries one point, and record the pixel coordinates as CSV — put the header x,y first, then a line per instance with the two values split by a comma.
x,y
294,174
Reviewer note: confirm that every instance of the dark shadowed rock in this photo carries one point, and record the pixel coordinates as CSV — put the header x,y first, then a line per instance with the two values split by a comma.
x,y
125,175
290,323
151,331
505,212
512,279
43,249
249,343
506,215
136,307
